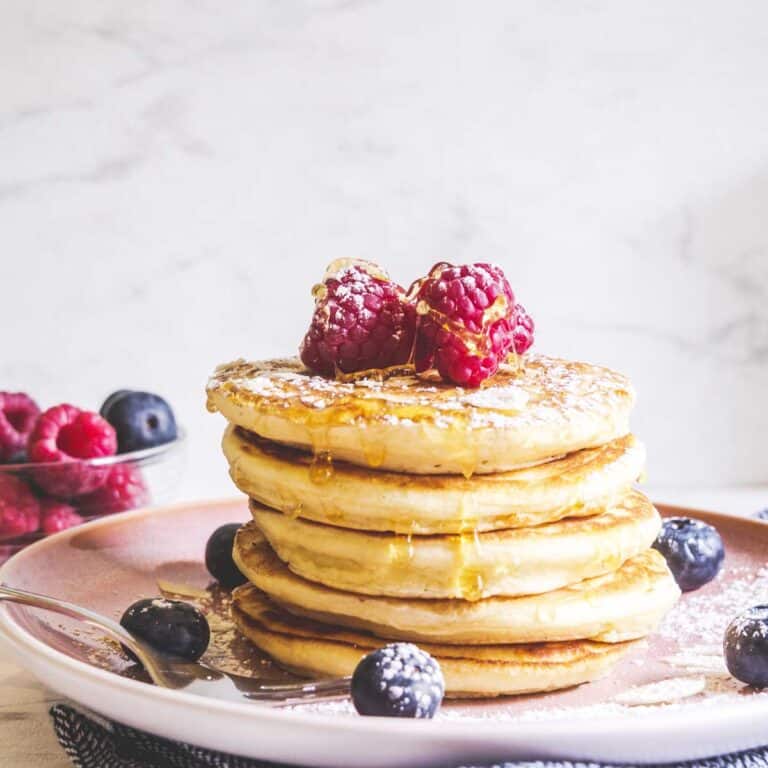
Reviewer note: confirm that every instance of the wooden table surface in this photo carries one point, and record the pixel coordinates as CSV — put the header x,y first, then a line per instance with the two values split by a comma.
x,y
26,734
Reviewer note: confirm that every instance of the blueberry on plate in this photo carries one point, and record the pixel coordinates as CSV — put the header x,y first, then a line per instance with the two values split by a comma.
x,y
171,626
218,557
745,646
762,514
693,550
399,680
141,420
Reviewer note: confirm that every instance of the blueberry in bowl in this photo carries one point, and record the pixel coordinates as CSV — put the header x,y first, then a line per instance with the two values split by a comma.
x,y
693,550
399,680
140,419
745,647
170,626
62,466
111,400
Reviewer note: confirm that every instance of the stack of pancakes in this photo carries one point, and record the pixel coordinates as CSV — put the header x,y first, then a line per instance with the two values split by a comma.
x,y
498,528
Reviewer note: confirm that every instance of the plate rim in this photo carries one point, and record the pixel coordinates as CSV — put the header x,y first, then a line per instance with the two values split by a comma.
x,y
665,720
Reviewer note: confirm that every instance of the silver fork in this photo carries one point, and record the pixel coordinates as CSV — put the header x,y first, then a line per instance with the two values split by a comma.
x,y
168,672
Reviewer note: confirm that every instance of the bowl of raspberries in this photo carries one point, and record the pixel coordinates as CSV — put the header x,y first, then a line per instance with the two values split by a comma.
x,y
64,465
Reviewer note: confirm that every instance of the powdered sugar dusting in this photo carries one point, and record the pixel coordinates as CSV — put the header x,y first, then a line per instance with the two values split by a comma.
x,y
543,390
691,674
663,692
706,615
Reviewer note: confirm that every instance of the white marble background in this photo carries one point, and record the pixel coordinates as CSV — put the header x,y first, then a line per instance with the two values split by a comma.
x,y
175,174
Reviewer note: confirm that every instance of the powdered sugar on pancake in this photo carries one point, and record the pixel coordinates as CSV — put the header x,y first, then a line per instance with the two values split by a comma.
x,y
542,390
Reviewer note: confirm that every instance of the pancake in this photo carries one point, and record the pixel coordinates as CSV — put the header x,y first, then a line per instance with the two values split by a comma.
x,y
523,561
622,605
421,425
316,650
284,478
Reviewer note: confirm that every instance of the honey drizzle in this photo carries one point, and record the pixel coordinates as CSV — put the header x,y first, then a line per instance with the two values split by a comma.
x,y
470,458
476,342
321,469
293,509
401,549
374,451
470,582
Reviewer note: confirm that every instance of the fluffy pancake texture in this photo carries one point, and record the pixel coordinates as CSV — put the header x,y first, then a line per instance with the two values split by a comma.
x,y
317,650
514,562
285,478
623,605
548,407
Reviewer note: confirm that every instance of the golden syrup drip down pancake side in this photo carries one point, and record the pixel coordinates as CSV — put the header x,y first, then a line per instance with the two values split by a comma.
x,y
547,408
470,566
318,650
580,484
623,605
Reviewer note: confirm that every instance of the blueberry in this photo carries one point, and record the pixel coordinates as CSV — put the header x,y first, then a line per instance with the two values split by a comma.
x,y
399,680
693,550
218,557
141,420
762,514
746,647
111,400
171,626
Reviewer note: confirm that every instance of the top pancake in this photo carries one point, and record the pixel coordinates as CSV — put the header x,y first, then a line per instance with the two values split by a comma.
x,y
548,407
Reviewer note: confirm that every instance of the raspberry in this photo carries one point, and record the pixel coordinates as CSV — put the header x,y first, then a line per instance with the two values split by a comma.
x,y
57,516
467,318
18,414
522,333
64,435
362,321
19,507
124,489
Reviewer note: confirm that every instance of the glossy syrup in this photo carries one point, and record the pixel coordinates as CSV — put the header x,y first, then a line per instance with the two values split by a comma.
x,y
470,582
321,469
401,549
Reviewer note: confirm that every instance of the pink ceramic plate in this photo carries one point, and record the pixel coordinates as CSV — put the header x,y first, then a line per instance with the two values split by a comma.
x,y
108,564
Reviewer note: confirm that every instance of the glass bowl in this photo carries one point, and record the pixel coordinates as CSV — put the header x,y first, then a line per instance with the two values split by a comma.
x,y
31,494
